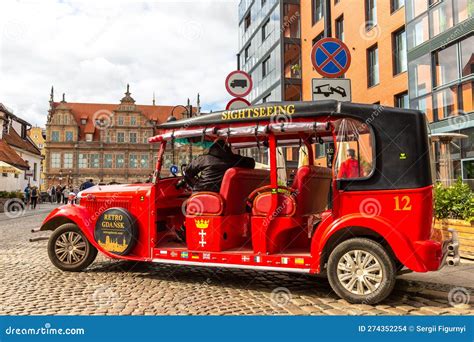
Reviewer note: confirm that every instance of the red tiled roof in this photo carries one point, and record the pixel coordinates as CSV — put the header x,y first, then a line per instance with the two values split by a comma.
x,y
9,156
14,139
97,110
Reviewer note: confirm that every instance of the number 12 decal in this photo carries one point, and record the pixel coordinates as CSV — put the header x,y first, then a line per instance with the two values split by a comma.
x,y
404,204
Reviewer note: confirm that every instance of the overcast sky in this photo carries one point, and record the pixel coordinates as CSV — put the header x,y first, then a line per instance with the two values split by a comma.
x,y
90,50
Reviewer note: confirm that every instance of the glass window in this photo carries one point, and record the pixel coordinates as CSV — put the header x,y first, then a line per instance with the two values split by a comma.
x,y
120,120
340,28
418,32
265,66
355,152
94,161
83,161
441,17
401,100
399,52
266,98
133,137
468,96
247,52
370,14
397,4
55,160
419,71
120,137
415,7
446,102
89,137
55,136
145,137
318,38
119,161
133,120
69,136
133,161
467,56
67,160
424,104
373,66
446,65
463,9
266,29
144,161
108,161
247,21
318,10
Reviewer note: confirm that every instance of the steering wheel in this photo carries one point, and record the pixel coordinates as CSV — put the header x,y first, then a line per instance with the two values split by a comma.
x,y
267,188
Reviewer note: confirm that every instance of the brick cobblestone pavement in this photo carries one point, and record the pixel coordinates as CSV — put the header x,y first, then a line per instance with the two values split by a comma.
x,y
30,284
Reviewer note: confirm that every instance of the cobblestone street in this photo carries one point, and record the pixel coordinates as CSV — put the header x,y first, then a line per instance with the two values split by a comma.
x,y
30,284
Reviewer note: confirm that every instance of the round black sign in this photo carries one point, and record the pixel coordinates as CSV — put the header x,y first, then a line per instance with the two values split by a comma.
x,y
116,231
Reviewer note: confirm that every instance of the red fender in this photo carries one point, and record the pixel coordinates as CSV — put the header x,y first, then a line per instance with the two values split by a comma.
x,y
401,246
67,213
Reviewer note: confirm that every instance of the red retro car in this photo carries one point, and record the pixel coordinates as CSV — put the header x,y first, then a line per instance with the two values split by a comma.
x,y
359,216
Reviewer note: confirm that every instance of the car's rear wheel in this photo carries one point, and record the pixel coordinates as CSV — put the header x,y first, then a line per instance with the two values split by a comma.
x,y
69,249
361,271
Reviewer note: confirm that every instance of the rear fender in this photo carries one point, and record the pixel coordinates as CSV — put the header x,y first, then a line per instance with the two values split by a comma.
x,y
400,245
81,217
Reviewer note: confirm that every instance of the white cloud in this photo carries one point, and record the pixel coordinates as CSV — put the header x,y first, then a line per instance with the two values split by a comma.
x,y
90,51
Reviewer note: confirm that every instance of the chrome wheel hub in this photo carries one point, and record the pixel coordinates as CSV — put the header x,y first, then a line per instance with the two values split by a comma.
x,y
359,272
70,248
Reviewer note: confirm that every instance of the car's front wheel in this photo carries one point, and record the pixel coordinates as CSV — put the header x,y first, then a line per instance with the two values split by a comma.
x,y
69,249
361,271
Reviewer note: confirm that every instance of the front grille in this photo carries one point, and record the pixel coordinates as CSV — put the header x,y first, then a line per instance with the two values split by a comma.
x,y
98,206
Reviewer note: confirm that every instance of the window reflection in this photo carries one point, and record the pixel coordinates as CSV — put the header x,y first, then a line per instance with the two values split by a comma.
x,y
446,65
467,56
420,76
441,17
447,102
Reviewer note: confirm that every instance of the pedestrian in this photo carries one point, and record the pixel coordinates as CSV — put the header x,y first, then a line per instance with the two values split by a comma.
x,y
27,192
65,195
87,184
59,194
34,197
53,194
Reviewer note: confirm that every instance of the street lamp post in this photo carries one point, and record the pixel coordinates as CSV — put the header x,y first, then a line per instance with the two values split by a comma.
x,y
188,113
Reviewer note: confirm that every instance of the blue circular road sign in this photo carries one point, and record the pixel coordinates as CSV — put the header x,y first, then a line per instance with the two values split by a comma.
x,y
330,57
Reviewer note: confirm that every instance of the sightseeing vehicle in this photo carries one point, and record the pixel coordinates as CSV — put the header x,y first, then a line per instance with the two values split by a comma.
x,y
359,215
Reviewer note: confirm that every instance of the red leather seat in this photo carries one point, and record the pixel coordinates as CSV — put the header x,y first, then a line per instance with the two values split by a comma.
x,y
237,185
262,204
311,187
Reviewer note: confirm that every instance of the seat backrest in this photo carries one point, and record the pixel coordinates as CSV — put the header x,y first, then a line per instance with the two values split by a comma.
x,y
311,184
237,185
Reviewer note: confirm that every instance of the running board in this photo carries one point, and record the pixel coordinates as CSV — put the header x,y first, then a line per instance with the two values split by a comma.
x,y
245,267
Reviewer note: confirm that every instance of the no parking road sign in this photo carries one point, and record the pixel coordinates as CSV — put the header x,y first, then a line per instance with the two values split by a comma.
x,y
330,57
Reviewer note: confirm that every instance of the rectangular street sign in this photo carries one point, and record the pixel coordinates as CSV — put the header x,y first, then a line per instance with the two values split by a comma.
x,y
331,89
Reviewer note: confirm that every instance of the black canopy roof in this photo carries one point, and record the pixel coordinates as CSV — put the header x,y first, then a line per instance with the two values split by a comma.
x,y
402,157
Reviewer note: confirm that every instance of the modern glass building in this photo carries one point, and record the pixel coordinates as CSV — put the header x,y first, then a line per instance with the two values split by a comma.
x,y
270,49
440,44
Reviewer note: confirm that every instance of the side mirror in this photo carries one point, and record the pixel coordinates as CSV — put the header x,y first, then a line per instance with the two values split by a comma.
x,y
174,170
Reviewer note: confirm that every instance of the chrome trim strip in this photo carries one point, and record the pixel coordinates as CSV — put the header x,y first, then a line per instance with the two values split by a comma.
x,y
246,267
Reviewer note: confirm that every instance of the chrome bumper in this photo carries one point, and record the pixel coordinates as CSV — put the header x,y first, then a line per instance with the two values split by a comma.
x,y
450,250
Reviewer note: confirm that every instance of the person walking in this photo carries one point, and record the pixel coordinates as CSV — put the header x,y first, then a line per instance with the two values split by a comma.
x,y
27,193
52,199
59,194
34,197
65,195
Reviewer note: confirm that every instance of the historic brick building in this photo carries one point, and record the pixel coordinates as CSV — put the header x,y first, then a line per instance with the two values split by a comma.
x,y
105,142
